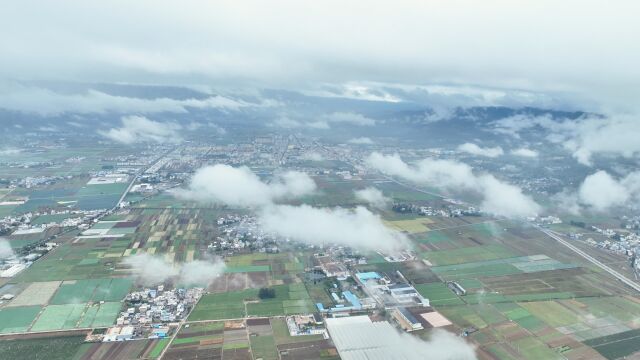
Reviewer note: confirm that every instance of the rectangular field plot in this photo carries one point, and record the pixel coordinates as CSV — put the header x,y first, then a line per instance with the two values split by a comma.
x,y
17,319
57,317
468,254
499,267
412,226
121,350
438,294
101,315
289,299
37,293
81,291
228,305
50,348
618,345
264,347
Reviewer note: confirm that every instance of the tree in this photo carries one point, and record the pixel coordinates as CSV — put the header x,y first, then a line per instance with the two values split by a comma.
x,y
267,293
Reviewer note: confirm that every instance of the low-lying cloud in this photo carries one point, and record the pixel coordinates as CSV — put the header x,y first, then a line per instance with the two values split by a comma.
x,y
46,102
442,345
358,228
372,196
137,129
600,191
473,149
323,122
498,197
584,137
361,141
5,249
351,118
241,187
524,152
152,270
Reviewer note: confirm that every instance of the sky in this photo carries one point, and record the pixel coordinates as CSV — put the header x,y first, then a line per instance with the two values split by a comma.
x,y
584,52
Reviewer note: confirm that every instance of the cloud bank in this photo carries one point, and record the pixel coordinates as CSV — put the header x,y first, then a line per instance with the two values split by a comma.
x,y
152,270
137,129
584,137
372,196
498,197
5,249
241,187
272,44
473,149
46,102
524,152
600,191
361,141
359,229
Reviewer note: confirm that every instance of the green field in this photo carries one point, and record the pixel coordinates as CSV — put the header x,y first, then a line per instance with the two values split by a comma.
x,y
57,317
438,294
227,305
158,347
82,291
264,346
290,299
17,319
45,219
618,345
468,254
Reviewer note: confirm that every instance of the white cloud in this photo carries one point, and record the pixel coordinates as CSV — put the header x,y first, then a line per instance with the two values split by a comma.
x,y
372,196
505,199
524,152
617,136
290,123
323,122
358,228
515,124
47,102
195,126
241,187
200,272
361,141
349,118
600,191
498,197
152,270
141,129
473,149
442,345
5,249
586,136
271,44
10,151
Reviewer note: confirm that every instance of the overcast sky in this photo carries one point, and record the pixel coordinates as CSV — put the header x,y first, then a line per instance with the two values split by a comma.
x,y
582,49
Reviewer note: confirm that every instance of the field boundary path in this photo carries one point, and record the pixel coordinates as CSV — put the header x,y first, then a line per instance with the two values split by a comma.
x,y
593,260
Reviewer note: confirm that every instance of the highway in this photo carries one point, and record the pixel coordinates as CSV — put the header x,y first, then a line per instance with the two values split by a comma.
x,y
604,267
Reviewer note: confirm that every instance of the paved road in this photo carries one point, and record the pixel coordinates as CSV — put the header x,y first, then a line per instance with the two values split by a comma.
x,y
604,267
